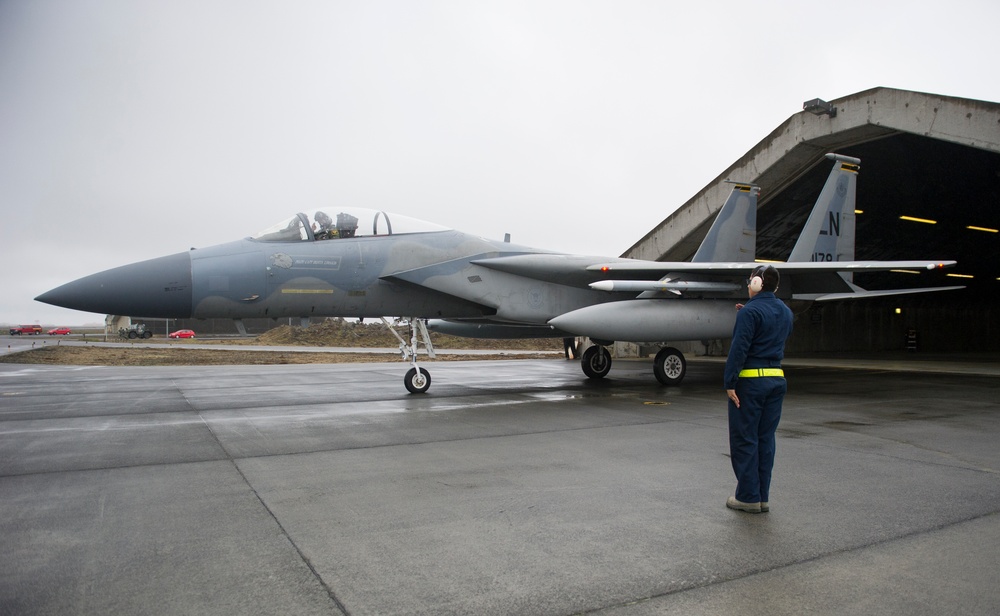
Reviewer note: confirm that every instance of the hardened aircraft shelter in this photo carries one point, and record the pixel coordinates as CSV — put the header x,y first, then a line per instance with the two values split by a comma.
x,y
929,187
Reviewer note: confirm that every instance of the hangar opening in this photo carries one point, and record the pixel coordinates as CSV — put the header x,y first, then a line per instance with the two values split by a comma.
x,y
929,187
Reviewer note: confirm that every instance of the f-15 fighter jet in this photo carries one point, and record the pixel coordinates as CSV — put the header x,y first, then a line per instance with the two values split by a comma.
x,y
351,262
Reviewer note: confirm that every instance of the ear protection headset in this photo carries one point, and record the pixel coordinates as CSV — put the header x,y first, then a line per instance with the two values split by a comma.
x,y
756,281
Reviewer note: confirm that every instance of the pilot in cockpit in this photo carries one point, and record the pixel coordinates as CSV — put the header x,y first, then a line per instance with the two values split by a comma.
x,y
323,229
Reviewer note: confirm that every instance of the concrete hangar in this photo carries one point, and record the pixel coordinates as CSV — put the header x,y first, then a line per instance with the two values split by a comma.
x,y
923,156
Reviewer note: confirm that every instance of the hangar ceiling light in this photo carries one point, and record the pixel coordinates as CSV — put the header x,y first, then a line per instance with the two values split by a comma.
x,y
923,220
987,229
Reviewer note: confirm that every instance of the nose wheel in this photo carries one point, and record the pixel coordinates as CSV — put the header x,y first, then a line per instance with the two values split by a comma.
x,y
417,380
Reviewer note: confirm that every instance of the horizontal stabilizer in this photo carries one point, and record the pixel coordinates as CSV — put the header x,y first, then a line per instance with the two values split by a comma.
x,y
864,294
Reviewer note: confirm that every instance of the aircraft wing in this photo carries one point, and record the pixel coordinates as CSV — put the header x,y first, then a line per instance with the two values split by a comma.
x,y
810,280
815,278
573,270
648,269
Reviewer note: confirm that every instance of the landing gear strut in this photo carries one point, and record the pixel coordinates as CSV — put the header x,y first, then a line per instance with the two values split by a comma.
x,y
417,379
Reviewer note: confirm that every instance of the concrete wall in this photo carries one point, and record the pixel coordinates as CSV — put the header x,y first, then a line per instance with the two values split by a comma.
x,y
800,142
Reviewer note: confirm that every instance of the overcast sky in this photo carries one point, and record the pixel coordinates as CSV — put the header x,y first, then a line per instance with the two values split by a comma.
x,y
131,129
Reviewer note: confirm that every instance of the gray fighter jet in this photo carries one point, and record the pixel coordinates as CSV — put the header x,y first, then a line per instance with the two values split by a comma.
x,y
371,264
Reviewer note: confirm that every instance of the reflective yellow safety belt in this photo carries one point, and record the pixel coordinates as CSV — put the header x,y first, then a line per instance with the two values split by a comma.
x,y
753,372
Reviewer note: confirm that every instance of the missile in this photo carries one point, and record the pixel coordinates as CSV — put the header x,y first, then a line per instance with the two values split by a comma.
x,y
674,286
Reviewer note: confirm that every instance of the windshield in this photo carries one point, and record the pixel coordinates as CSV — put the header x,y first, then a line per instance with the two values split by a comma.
x,y
339,223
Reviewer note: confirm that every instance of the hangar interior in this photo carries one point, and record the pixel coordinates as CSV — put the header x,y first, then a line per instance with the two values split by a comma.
x,y
923,156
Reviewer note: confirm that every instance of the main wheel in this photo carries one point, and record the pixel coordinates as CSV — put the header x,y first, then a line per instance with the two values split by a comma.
x,y
596,362
147,334
669,366
132,335
417,380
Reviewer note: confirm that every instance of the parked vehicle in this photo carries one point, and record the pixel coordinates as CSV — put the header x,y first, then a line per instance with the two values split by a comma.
x,y
59,331
181,333
25,329
136,331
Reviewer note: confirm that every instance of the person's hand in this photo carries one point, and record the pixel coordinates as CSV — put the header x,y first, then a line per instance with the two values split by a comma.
x,y
738,306
732,396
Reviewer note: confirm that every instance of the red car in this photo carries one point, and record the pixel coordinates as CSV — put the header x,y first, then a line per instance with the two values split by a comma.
x,y
59,331
181,333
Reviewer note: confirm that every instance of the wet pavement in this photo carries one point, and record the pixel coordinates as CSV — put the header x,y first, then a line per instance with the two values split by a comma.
x,y
512,487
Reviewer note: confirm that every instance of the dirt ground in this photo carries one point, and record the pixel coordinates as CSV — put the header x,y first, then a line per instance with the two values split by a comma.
x,y
333,332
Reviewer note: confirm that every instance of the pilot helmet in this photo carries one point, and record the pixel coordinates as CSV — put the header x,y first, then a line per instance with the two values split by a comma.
x,y
323,219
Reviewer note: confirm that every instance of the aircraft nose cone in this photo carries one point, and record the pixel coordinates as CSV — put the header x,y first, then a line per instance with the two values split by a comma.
x,y
155,288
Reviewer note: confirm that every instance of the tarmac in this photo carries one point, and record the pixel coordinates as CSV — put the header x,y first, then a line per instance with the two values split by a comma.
x,y
511,487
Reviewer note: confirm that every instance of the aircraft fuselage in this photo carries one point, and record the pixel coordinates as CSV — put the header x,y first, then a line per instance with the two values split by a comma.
x,y
419,275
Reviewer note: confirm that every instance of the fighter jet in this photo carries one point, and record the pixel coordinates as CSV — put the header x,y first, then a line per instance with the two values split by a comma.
x,y
372,264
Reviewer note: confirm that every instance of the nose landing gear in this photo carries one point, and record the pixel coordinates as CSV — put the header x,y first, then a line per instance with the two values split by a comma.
x,y
417,379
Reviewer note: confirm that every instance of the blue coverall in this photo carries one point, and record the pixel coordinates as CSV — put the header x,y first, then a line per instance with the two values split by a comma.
x,y
762,326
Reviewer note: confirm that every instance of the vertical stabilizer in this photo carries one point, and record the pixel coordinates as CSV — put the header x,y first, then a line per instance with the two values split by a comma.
x,y
733,236
829,232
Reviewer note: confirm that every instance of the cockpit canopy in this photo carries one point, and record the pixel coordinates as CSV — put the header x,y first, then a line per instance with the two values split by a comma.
x,y
339,223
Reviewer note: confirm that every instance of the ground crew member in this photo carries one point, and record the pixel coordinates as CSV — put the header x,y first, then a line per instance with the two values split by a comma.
x,y
756,387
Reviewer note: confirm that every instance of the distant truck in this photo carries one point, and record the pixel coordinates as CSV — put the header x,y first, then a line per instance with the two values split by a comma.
x,y
135,331
31,330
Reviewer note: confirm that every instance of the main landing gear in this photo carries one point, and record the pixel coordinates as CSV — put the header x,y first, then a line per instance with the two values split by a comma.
x,y
417,379
668,366
596,362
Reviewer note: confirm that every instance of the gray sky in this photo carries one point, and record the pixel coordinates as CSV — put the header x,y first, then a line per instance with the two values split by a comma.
x,y
131,129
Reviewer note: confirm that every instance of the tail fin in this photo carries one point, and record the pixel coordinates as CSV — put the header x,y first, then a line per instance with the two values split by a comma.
x,y
829,235
733,236
829,232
